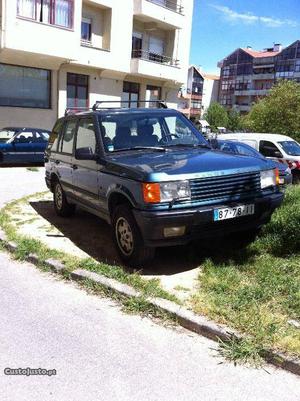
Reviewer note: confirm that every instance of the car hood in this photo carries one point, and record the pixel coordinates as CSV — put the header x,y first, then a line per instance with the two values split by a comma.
x,y
181,164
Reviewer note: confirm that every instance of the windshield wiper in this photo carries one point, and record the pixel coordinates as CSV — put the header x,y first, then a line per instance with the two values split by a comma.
x,y
153,148
189,145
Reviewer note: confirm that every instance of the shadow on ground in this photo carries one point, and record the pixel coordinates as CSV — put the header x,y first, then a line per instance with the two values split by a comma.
x,y
93,236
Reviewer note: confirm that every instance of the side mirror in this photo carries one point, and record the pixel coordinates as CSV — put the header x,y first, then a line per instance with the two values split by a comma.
x,y
214,143
85,154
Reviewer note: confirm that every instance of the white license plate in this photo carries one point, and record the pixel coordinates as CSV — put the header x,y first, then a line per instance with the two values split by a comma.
x,y
233,212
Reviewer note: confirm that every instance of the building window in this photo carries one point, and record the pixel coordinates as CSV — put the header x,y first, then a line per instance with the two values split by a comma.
x,y
77,90
137,45
156,49
130,95
24,87
196,104
54,12
86,29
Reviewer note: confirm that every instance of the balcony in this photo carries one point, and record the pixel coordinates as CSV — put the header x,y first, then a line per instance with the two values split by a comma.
x,y
155,65
242,107
167,13
263,76
156,58
252,92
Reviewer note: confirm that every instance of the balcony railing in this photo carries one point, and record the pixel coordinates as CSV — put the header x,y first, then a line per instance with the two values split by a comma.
x,y
156,58
169,4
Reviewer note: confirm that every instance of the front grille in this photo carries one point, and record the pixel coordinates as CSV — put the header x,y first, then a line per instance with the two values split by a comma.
x,y
225,188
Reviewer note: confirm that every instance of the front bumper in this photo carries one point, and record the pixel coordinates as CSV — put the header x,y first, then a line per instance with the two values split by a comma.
x,y
199,221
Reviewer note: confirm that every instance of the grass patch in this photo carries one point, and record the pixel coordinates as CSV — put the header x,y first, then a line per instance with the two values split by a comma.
x,y
32,169
257,289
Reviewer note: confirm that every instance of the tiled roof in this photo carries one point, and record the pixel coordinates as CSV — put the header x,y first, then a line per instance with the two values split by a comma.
x,y
211,76
260,54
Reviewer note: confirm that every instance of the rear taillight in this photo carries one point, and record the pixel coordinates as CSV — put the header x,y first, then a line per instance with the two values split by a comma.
x,y
293,164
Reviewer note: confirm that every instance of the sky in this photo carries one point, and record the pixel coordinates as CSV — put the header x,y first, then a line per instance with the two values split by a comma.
x,y
221,26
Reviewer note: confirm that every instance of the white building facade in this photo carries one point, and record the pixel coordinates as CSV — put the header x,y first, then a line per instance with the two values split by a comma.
x,y
56,54
201,91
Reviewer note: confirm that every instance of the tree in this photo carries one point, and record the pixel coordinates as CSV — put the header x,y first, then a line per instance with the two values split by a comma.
x,y
277,113
216,116
234,120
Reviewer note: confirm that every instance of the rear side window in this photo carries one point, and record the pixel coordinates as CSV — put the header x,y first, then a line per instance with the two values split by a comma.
x,y
68,137
54,136
269,149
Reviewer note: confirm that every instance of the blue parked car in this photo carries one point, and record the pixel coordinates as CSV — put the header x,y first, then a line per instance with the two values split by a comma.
x,y
23,145
240,148
154,178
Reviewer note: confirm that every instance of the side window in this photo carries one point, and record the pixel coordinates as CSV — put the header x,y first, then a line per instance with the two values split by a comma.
x,y
68,137
242,150
86,137
24,137
54,136
269,149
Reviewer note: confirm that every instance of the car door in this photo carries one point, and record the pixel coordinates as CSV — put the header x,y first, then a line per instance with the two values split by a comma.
x,y
63,159
40,143
22,150
85,172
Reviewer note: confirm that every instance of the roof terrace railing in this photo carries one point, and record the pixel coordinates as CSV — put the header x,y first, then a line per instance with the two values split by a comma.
x,y
169,4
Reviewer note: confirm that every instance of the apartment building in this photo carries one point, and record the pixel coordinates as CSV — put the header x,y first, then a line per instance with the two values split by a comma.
x,y
248,75
201,90
56,54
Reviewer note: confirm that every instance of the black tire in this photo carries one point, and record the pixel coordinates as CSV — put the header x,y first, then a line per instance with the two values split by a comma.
x,y
128,238
62,207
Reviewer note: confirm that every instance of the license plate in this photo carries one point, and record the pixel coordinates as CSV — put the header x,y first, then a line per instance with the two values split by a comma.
x,y
233,212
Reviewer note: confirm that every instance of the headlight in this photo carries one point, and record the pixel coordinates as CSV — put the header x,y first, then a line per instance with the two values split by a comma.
x,y
166,191
174,190
269,178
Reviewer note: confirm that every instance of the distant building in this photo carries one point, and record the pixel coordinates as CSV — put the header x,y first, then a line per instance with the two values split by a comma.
x,y
248,75
201,90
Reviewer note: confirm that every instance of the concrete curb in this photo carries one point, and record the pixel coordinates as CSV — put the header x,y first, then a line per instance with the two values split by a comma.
x,y
187,319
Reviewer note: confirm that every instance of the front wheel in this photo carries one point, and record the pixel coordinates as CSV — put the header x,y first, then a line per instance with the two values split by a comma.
x,y
62,207
128,238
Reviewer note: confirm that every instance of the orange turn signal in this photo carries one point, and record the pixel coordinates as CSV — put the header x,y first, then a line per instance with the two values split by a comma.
x,y
151,192
277,176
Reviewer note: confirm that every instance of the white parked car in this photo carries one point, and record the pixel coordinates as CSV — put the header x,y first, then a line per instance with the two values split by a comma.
x,y
273,146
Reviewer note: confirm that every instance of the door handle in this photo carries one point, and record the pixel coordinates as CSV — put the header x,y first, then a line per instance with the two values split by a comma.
x,y
74,167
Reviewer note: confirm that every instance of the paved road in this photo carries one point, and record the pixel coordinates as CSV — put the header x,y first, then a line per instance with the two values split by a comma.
x,y
99,352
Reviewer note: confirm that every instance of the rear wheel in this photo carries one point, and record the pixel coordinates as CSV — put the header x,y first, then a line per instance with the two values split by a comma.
x,y
61,205
128,238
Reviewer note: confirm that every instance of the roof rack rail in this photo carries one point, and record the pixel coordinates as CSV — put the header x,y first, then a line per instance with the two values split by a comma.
x,y
160,103
69,110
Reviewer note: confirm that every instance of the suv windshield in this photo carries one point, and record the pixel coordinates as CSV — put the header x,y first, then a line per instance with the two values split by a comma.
x,y
292,148
126,131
